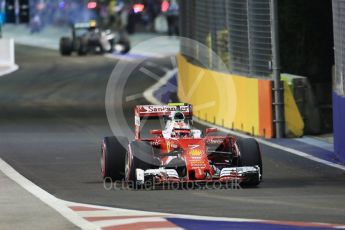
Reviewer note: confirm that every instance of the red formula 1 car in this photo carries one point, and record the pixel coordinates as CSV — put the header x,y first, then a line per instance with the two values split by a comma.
x,y
179,153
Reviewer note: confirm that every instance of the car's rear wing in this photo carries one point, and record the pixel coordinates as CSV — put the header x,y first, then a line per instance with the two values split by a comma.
x,y
154,111
157,111
85,25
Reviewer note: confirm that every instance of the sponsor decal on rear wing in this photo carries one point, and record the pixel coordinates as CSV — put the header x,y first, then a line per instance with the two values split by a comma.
x,y
156,111
163,110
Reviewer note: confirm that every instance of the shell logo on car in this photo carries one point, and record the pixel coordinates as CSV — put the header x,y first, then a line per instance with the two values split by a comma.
x,y
195,152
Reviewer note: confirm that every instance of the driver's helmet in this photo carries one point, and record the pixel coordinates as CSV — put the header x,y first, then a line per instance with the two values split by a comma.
x,y
178,117
180,127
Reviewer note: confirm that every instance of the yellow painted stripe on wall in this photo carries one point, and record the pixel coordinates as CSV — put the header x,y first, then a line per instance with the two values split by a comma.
x,y
227,100
293,119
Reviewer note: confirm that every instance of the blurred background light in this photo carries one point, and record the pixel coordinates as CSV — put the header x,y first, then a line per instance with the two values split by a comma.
x,y
137,8
91,5
62,5
165,6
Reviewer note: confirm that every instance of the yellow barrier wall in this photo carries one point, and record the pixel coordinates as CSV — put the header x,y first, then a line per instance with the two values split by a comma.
x,y
235,102
231,101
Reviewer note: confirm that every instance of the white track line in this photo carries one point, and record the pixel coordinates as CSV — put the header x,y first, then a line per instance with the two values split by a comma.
x,y
123,211
190,217
273,145
149,95
110,211
11,69
55,203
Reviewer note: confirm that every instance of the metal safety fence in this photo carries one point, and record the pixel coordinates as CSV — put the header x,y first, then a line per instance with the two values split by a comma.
x,y
239,32
339,46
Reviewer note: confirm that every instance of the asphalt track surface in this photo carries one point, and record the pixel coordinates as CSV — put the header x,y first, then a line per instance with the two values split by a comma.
x,y
53,120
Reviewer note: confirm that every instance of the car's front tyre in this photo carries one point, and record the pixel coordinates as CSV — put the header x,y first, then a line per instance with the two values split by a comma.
x,y
66,46
112,160
250,155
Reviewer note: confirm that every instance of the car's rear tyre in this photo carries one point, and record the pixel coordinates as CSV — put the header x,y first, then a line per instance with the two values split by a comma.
x,y
250,156
126,47
66,46
125,42
112,44
113,158
82,46
139,156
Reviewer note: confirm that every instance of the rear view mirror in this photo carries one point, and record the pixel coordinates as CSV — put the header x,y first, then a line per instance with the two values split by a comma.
x,y
156,132
211,130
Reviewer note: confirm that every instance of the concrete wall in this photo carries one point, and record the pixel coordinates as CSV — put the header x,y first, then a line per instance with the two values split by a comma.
x,y
7,52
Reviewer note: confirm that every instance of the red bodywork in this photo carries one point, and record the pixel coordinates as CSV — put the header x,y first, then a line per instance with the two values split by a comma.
x,y
200,163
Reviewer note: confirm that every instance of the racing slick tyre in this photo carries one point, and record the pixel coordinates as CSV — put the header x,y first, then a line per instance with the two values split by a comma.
x,y
112,44
179,165
66,46
113,158
139,156
250,156
126,47
82,46
124,42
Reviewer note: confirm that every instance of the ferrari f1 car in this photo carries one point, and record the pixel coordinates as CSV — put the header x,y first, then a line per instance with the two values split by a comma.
x,y
88,38
179,153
